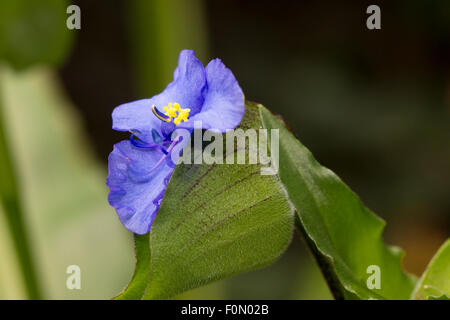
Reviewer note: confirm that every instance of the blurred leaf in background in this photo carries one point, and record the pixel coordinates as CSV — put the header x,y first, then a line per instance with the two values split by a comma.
x,y
65,211
31,32
63,188
435,281
11,278
158,31
34,32
12,215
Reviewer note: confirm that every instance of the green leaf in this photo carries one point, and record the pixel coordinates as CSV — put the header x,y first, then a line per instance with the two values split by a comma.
x,y
34,31
435,281
343,234
215,221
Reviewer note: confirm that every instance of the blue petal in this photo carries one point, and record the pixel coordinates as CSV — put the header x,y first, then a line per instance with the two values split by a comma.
x,y
135,193
224,107
188,85
136,116
187,89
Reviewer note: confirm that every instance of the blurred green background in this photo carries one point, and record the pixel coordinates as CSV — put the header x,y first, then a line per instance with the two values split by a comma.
x,y
373,106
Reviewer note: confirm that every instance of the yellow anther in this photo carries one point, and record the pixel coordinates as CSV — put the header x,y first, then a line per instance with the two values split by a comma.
x,y
183,115
174,110
170,110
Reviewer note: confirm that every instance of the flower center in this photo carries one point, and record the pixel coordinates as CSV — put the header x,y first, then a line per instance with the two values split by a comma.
x,y
172,111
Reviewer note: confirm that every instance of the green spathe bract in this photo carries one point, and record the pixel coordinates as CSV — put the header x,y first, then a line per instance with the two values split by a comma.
x,y
215,221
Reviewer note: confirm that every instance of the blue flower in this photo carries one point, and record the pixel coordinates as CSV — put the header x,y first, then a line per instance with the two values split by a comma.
x,y
140,168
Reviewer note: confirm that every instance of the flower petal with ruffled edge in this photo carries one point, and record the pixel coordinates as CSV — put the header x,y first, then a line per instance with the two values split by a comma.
x,y
223,107
135,193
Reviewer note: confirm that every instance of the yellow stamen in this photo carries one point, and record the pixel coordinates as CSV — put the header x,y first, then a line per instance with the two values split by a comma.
x,y
183,115
170,111
174,110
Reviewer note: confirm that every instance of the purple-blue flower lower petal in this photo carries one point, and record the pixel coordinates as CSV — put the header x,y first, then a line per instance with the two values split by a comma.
x,y
135,193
